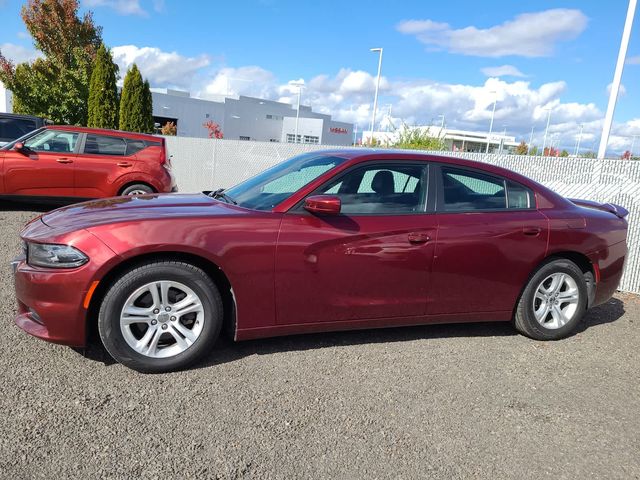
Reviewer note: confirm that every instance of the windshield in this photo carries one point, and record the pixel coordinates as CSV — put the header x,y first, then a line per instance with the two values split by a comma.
x,y
269,188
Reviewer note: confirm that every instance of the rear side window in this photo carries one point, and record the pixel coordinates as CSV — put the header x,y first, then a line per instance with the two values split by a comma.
x,y
105,145
467,190
134,146
519,196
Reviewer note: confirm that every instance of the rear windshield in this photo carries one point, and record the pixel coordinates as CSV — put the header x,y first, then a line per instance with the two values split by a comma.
x,y
12,128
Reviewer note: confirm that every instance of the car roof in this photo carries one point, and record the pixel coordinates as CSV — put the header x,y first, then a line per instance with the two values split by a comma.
x,y
19,116
104,131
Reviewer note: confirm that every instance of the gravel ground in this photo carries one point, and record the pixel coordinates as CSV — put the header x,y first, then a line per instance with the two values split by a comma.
x,y
456,401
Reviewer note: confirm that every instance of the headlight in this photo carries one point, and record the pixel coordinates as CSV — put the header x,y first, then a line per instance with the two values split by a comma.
x,y
54,256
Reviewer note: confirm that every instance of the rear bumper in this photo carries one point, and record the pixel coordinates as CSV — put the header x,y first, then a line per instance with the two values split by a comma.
x,y
610,263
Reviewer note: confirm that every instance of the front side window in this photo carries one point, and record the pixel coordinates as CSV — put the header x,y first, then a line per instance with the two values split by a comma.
x,y
12,128
104,145
381,190
53,141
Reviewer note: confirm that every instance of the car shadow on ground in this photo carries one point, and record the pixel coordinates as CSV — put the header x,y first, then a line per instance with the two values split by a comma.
x,y
30,206
226,350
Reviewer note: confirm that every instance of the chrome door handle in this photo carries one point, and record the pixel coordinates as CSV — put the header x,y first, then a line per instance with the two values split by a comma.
x,y
418,238
64,160
125,164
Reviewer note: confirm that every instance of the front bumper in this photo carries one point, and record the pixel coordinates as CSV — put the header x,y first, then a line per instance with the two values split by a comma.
x,y
50,303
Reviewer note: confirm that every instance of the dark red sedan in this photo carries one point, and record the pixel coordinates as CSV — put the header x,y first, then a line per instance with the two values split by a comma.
x,y
329,240
66,161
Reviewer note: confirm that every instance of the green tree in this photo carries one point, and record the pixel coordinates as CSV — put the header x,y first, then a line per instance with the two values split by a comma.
x,y
534,151
135,103
56,85
564,153
103,92
419,139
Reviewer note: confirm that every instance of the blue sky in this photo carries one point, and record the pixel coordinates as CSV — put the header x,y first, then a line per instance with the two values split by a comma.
x,y
439,57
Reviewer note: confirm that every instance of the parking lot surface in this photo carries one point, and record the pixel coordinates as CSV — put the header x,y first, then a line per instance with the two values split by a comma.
x,y
442,401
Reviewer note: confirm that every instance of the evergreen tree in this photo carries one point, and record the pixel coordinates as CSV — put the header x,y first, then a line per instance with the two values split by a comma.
x,y
133,110
148,107
103,92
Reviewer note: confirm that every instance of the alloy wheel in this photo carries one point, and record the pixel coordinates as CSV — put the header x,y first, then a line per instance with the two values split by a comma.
x,y
556,300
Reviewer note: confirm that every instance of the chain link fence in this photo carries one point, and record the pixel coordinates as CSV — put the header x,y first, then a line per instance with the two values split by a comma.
x,y
204,164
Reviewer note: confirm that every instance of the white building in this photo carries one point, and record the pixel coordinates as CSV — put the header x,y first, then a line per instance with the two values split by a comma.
x,y
6,100
247,118
455,140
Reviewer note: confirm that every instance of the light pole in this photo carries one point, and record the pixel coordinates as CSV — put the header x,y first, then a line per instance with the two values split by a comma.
x,y
493,112
578,142
375,98
546,130
617,77
442,122
299,85
530,140
633,144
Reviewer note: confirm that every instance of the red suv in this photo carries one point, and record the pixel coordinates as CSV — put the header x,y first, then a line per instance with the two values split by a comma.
x,y
65,161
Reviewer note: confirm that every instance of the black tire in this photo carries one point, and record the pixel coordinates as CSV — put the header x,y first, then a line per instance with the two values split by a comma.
x,y
524,318
137,189
124,286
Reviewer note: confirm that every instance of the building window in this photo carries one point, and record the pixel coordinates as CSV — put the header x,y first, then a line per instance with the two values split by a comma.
x,y
244,138
274,117
291,138
274,140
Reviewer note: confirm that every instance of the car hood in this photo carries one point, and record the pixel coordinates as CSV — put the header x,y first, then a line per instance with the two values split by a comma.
x,y
137,208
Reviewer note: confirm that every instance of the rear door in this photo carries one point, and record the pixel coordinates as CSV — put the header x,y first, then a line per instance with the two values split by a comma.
x,y
103,159
490,238
44,167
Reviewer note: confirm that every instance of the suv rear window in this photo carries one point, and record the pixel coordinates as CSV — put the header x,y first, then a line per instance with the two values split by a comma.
x,y
12,128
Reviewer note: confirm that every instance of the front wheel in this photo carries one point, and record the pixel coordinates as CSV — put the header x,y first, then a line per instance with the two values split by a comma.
x,y
553,302
160,316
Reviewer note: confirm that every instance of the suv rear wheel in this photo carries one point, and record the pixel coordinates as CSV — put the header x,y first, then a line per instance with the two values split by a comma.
x,y
137,189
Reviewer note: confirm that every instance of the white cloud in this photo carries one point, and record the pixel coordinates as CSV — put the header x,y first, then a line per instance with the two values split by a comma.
x,y
122,7
503,71
249,80
633,60
18,53
167,69
528,34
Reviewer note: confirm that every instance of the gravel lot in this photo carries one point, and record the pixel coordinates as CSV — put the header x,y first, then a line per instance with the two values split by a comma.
x,y
457,401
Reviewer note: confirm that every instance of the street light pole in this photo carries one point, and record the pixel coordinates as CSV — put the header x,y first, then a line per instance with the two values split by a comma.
x,y
493,112
579,139
546,131
375,98
299,85
617,77
633,144
530,140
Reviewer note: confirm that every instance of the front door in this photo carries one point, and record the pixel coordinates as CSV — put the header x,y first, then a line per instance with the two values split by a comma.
x,y
44,167
370,262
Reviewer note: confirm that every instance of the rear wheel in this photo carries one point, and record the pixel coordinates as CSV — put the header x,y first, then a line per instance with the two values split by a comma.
x,y
553,302
137,189
161,316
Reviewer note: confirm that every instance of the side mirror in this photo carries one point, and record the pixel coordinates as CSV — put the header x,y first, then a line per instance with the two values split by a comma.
x,y
323,204
19,147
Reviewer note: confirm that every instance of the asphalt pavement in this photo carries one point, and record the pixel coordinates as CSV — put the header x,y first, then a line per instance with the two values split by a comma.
x,y
442,401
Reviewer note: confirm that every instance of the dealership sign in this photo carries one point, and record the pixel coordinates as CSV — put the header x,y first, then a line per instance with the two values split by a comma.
x,y
338,130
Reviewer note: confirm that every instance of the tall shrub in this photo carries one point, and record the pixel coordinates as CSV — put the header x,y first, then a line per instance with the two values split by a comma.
x,y
103,92
134,101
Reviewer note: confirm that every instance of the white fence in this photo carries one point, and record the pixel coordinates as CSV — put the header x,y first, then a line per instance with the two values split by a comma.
x,y
203,164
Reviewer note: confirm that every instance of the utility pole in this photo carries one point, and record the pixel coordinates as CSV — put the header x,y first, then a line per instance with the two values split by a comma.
x,y
375,98
617,77
493,112
530,140
578,142
546,130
